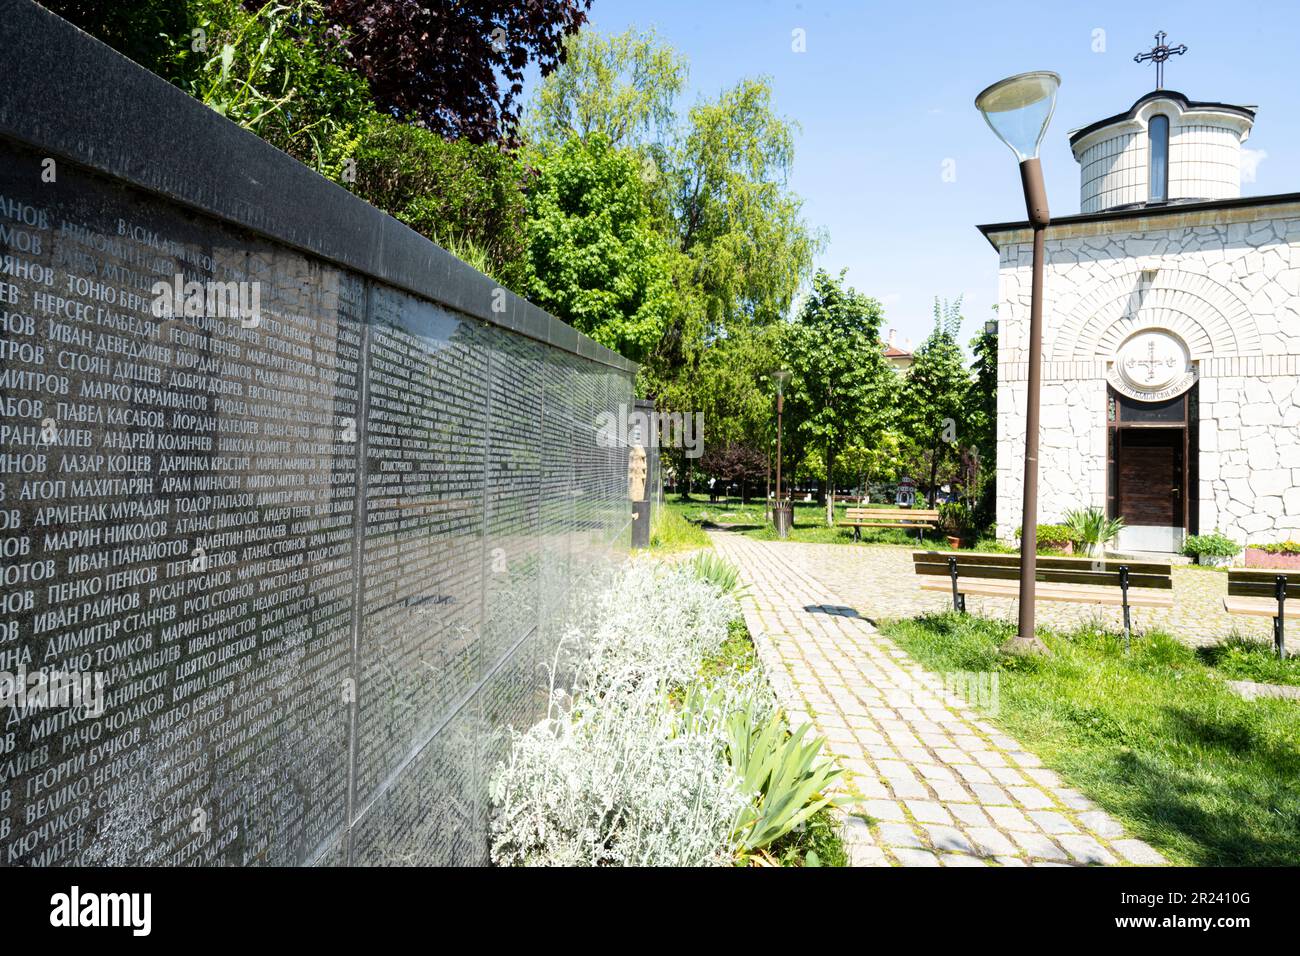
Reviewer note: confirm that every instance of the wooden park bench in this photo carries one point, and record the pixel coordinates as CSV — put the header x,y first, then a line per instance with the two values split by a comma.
x,y
859,518
1105,581
1261,593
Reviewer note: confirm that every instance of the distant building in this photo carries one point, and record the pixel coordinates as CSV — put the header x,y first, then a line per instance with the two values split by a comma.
x,y
899,358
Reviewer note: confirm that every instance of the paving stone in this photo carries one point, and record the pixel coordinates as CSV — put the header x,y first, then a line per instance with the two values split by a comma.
x,y
969,813
1043,777
991,842
1031,797
988,793
895,770
926,811
909,789
1049,821
1136,851
1073,799
871,788
888,810
866,854
1008,776
950,792
972,773
948,838
1020,757
1101,823
916,857
934,772
952,756
1085,849
897,834
1009,818
1039,846
891,721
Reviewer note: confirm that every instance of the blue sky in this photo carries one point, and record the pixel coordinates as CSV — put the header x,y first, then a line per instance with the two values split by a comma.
x,y
884,96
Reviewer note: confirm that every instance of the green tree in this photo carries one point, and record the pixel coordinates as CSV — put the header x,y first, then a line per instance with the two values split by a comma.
x,y
279,71
715,179
622,86
468,198
734,213
595,256
840,387
983,411
934,410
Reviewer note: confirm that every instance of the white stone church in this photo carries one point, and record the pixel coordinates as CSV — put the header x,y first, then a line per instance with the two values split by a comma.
x,y
1171,346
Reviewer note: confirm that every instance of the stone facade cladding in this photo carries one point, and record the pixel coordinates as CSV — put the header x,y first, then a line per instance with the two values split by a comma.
x,y
1226,280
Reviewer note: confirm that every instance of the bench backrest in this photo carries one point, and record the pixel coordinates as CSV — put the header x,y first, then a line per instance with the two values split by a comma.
x,y
887,514
1101,571
1262,583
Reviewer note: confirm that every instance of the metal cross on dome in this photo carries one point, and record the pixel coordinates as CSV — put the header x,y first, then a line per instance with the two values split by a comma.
x,y
1158,54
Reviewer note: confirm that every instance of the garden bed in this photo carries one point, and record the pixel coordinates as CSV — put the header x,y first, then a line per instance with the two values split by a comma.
x,y
666,748
1281,560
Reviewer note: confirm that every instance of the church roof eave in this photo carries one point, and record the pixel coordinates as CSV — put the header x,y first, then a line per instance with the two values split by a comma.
x,y
1248,112
1141,211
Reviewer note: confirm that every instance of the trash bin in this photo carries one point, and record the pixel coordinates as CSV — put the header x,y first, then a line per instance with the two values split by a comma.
x,y
783,518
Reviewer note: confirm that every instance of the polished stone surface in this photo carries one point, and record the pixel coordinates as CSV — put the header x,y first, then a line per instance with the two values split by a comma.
x,y
315,548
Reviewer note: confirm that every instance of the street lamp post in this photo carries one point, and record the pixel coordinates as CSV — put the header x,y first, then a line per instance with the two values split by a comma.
x,y
781,509
1018,110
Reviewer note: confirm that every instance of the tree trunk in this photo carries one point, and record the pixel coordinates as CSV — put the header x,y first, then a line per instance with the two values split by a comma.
x,y
934,473
830,487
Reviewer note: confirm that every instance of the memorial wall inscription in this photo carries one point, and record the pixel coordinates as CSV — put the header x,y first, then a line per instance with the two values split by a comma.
x,y
303,539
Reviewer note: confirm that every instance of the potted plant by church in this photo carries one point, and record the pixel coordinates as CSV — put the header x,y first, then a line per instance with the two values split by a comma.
x,y
1091,530
1215,550
956,521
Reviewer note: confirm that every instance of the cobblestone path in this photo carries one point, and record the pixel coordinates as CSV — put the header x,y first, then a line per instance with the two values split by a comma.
x,y
931,782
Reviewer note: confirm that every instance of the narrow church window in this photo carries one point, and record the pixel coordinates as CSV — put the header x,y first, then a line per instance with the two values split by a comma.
x,y
1158,129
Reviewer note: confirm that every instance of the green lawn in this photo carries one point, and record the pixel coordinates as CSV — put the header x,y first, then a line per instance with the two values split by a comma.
x,y
809,523
1152,736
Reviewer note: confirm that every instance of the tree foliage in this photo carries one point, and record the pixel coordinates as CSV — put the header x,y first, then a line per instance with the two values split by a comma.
x,y
458,68
467,197
596,256
934,401
623,86
840,383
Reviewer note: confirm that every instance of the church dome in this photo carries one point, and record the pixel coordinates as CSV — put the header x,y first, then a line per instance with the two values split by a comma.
x,y
1164,149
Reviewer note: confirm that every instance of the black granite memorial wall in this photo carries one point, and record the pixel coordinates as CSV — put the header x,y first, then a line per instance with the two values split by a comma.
x,y
300,502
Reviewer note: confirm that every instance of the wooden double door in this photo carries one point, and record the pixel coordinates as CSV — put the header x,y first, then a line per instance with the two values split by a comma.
x,y
1152,467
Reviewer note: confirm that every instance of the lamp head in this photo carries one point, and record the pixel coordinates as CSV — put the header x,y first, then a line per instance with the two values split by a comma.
x,y
779,378
1019,108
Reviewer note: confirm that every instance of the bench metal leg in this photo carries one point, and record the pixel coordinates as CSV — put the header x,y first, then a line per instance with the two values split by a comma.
x,y
1279,622
1128,623
958,599
857,533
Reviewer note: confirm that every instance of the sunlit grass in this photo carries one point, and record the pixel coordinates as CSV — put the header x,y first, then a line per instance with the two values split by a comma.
x,y
1153,736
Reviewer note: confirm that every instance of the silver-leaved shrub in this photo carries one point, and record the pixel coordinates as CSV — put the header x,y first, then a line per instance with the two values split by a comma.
x,y
617,774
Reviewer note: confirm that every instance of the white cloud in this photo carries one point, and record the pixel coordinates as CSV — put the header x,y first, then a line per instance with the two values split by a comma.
x,y
1250,160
